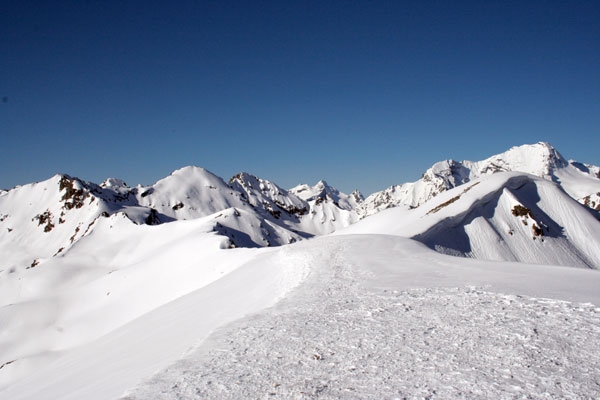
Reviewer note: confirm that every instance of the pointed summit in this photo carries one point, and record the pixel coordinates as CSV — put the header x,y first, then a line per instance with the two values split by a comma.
x,y
540,159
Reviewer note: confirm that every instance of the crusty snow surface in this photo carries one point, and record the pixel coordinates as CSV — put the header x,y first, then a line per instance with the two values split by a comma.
x,y
358,330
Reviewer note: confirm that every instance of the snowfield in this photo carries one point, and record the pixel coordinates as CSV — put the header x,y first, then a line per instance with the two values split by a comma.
x,y
478,281
427,343
376,316
355,331
103,367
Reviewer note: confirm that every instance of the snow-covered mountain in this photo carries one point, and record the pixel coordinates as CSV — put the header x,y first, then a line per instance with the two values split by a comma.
x,y
105,287
42,220
528,204
580,181
508,216
328,207
45,219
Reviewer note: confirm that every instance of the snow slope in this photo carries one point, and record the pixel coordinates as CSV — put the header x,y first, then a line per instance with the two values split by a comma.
x,y
328,336
477,220
43,220
420,343
117,274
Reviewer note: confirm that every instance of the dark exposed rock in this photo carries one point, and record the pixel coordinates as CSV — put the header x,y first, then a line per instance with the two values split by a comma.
x,y
521,211
72,198
152,218
45,218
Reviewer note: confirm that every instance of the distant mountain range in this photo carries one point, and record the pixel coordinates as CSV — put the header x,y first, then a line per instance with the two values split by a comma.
x,y
43,220
103,285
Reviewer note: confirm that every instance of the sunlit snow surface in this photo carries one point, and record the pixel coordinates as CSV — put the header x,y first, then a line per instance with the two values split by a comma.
x,y
420,343
96,304
400,318
354,330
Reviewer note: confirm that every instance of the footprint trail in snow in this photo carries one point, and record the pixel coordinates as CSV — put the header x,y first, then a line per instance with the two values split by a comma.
x,y
337,338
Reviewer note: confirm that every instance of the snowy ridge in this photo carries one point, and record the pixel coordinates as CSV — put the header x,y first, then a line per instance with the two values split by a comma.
x,y
507,217
360,344
189,193
329,209
324,192
263,192
539,159
43,220
114,275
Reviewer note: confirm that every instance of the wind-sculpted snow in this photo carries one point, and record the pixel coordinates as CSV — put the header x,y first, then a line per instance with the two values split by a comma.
x,y
557,231
477,220
353,331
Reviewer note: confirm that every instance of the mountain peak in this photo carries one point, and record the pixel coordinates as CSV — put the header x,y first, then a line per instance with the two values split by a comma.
x,y
245,179
249,182
113,183
192,170
322,184
357,195
540,159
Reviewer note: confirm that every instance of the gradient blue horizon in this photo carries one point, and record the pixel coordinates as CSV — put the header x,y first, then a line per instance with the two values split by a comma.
x,y
361,94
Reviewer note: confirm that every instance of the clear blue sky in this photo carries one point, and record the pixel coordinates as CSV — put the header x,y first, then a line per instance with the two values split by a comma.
x,y
363,94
